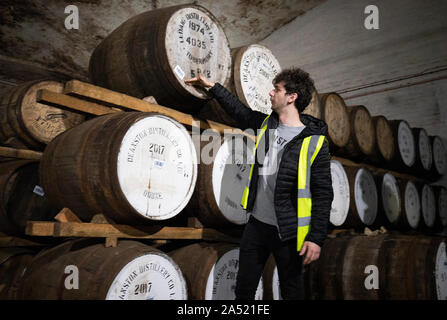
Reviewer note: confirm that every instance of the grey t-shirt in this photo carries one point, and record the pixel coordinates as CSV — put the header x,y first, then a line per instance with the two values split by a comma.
x,y
264,207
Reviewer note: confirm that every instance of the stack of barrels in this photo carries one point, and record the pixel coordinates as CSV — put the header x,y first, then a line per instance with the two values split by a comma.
x,y
145,168
135,168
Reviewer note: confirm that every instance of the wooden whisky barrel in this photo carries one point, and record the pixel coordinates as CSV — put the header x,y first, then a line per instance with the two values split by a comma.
x,y
390,198
134,167
341,201
214,277
152,54
363,202
439,158
424,152
21,197
404,204
406,267
222,176
405,155
13,263
428,206
441,207
255,67
314,107
336,116
385,147
362,135
26,123
130,271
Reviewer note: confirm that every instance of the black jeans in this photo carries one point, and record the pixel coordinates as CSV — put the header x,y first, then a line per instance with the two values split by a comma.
x,y
258,241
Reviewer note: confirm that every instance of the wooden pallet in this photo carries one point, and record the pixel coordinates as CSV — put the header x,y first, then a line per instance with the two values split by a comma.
x,y
69,225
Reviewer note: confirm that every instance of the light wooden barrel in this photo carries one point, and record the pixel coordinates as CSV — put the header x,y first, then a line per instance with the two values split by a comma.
x,y
223,173
409,267
342,196
363,199
134,167
362,135
13,263
210,270
428,206
385,147
25,123
21,197
405,155
402,203
130,271
152,54
314,107
424,153
254,68
439,167
336,116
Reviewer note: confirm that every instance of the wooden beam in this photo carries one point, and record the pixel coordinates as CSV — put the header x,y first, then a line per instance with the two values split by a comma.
x,y
100,230
65,101
20,153
66,215
112,98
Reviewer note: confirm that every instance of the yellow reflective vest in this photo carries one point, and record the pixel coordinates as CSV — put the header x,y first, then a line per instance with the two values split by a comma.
x,y
310,147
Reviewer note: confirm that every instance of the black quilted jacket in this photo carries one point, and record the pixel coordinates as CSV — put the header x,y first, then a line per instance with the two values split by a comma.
x,y
286,185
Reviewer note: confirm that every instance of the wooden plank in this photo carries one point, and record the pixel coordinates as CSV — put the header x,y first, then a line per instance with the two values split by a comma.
x,y
121,100
20,153
45,229
62,100
99,230
377,170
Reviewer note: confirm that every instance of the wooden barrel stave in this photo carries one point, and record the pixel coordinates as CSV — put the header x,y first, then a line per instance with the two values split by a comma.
x,y
335,115
13,263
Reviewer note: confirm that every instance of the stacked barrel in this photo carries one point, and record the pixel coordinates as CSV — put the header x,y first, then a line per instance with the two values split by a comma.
x,y
135,168
140,168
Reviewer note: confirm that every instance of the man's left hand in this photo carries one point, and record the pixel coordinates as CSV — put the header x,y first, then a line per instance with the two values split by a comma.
x,y
312,251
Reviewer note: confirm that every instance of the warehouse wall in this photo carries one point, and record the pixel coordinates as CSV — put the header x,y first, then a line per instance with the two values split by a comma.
x,y
399,70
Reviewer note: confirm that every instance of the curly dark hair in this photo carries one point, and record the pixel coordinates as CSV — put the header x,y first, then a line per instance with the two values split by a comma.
x,y
297,81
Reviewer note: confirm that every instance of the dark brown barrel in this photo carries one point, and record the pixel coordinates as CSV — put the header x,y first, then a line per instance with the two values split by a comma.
x,y
405,156
212,110
439,158
441,207
336,116
385,147
362,135
131,270
13,263
21,197
314,107
407,213
363,203
406,267
134,167
424,153
222,176
152,54
26,123
210,270
428,206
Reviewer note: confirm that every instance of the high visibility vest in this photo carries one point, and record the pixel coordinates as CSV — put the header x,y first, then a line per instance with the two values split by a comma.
x,y
309,149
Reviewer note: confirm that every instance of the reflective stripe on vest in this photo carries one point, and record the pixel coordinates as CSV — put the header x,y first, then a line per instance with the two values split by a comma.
x,y
244,200
309,150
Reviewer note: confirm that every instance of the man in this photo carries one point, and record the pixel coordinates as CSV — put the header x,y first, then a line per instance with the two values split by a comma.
x,y
289,208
